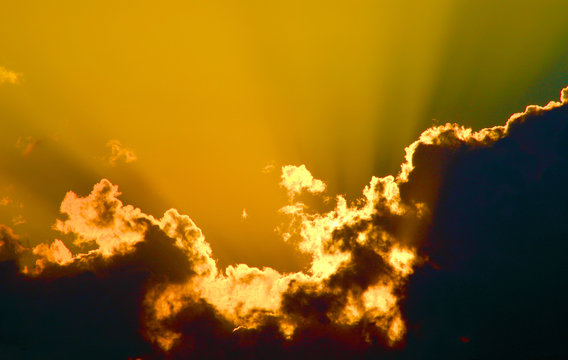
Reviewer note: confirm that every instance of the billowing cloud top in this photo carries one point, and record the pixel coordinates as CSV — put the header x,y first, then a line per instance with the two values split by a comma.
x,y
297,179
459,255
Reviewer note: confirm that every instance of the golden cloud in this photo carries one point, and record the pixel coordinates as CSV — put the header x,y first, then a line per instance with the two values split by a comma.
x,y
297,179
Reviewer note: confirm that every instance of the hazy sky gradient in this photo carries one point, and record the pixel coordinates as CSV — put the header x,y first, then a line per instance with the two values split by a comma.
x,y
207,94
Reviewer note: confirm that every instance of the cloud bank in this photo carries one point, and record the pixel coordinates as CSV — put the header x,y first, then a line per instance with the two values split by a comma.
x,y
459,256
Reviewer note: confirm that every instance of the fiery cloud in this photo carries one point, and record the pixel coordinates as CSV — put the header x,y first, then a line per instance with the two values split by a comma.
x,y
342,273
151,288
297,179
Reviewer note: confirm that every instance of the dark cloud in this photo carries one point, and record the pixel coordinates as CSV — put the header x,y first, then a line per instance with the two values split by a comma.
x,y
466,249
497,243
78,314
92,307
10,247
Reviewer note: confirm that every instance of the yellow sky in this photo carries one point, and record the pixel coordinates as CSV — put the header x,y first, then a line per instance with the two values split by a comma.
x,y
206,94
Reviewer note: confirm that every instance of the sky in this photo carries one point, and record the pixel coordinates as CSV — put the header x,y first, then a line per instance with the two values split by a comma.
x,y
251,118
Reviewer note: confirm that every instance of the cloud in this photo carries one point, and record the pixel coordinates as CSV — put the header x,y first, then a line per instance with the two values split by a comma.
x,y
495,240
268,167
468,241
12,207
5,201
297,179
10,247
181,286
119,153
27,144
8,76
18,220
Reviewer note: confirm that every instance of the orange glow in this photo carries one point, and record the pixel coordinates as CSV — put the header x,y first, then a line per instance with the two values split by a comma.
x,y
297,178
57,252
292,173
244,295
402,260
247,296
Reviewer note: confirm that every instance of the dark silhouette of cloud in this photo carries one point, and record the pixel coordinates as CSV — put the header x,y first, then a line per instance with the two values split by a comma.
x,y
496,244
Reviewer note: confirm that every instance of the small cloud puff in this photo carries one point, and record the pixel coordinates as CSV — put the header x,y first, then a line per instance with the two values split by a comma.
x,y
9,76
119,153
297,179
27,144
